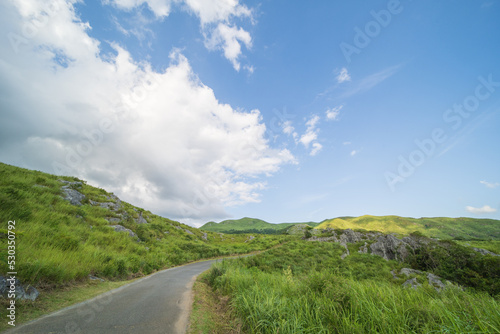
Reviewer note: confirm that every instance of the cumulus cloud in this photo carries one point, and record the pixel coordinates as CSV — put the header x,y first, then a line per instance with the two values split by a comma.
x,y
343,76
160,140
216,21
490,185
332,114
484,209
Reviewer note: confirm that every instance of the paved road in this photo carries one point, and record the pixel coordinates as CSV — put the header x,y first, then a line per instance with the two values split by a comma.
x,y
158,303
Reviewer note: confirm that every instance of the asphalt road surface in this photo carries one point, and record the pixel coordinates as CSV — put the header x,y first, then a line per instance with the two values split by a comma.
x,y
158,303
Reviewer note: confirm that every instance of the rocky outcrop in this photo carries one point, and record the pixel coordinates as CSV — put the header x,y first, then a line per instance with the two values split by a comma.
x,y
183,229
250,238
391,248
408,271
364,248
114,205
71,194
412,283
22,291
141,219
119,228
484,251
435,281
387,246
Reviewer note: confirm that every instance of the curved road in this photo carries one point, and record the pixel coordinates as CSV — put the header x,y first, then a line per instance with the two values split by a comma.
x,y
158,303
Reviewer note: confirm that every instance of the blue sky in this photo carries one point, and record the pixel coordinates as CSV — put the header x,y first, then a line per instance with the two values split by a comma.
x,y
280,110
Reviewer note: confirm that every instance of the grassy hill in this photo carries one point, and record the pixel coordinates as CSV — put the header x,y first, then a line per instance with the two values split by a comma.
x,y
442,228
249,225
58,242
306,287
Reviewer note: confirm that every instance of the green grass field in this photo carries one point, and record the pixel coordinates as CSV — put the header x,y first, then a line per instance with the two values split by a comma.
x,y
305,287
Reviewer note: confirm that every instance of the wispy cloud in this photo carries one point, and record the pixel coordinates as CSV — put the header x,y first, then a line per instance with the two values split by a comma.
x,y
371,81
343,76
490,185
311,133
316,147
287,127
332,114
354,152
310,136
484,209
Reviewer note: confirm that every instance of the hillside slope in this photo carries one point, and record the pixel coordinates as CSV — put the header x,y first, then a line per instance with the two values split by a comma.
x,y
249,225
67,230
440,227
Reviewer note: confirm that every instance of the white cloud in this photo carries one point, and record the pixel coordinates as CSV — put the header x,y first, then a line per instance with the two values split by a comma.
x,y
210,11
490,185
160,140
311,124
287,127
229,39
310,136
216,21
332,114
371,81
346,143
316,147
343,76
311,133
354,152
484,209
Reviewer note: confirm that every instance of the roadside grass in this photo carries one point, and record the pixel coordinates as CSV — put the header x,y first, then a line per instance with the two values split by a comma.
x,y
298,289
211,313
52,300
56,298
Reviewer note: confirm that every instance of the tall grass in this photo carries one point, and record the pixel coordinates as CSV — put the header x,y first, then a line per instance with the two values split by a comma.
x,y
57,242
278,299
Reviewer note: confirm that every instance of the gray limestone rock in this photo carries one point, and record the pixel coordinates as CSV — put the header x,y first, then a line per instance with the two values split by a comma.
x,y
409,271
119,228
141,219
436,282
250,238
364,248
390,248
484,251
411,283
22,292
94,278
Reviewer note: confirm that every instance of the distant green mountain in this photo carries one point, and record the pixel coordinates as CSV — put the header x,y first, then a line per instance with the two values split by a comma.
x,y
439,227
249,225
